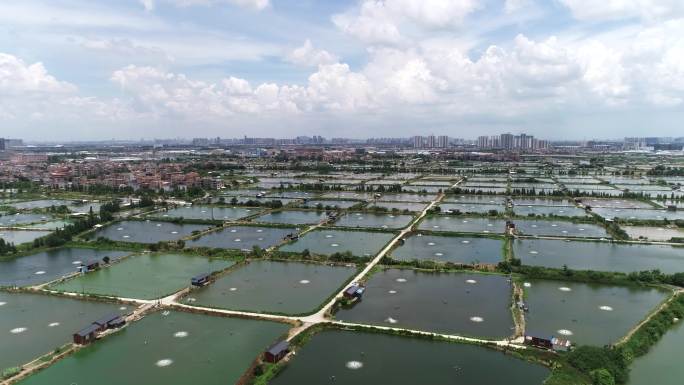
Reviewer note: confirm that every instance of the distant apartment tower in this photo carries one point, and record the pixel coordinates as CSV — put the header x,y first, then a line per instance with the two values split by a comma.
x,y
2,144
418,141
431,141
442,141
507,141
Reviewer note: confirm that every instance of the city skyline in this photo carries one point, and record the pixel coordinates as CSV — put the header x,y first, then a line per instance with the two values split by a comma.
x,y
568,69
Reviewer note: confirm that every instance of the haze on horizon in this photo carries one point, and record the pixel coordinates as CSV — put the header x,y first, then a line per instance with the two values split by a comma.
x,y
126,69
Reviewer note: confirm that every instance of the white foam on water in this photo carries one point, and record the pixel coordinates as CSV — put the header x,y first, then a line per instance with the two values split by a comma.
x,y
203,211
3,303
420,235
354,365
431,243
18,330
384,226
465,221
233,231
534,226
165,313
76,262
260,239
391,320
233,289
527,284
471,281
606,308
304,281
328,236
486,231
563,288
392,292
581,229
490,225
174,232
439,254
40,272
260,231
126,236
391,216
191,299
534,252
465,242
402,280
119,229
122,308
564,231
554,225
334,245
180,334
158,224
237,240
434,227
164,363
565,332
53,324
477,319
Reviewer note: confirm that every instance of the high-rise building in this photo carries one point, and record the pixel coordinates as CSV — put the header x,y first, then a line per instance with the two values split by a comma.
x,y
431,141
418,142
442,141
507,141
2,144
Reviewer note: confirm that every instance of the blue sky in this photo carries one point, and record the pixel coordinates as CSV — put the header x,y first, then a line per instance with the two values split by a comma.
x,y
76,69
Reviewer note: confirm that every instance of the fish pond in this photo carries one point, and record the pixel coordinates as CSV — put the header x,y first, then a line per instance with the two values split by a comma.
x,y
371,220
599,256
146,276
587,314
242,237
663,364
293,217
559,228
329,204
450,303
273,287
326,242
34,324
208,213
639,214
369,358
21,236
146,231
49,265
401,206
460,250
172,348
471,208
463,224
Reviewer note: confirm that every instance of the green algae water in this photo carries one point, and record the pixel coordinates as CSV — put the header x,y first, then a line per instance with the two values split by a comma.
x,y
663,364
172,349
49,265
146,276
33,324
348,358
276,287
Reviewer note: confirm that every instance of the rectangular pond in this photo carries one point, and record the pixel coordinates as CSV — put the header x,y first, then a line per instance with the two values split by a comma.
x,y
371,220
328,204
34,324
21,236
273,287
407,197
401,206
367,358
20,219
146,276
146,231
587,314
49,265
460,250
653,233
326,242
489,199
615,203
599,256
293,217
463,224
527,201
173,349
639,214
568,211
559,228
468,208
208,212
242,237
450,303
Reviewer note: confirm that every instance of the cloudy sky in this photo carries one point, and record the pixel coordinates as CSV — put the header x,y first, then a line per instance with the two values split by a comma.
x,y
83,69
